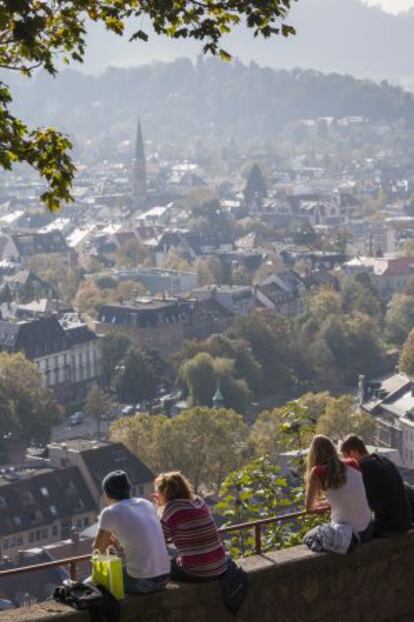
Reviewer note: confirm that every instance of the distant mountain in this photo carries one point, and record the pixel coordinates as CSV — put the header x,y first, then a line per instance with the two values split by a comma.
x,y
181,100
344,36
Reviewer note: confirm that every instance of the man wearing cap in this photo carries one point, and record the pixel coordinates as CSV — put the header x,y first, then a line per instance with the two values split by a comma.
x,y
133,524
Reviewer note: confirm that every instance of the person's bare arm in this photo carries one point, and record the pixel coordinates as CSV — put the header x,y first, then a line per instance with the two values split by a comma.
x,y
103,540
312,492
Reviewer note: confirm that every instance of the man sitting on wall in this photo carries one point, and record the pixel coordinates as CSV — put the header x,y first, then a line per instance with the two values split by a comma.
x,y
133,524
384,486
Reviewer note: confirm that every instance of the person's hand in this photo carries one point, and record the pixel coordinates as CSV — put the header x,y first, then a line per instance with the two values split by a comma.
x,y
321,507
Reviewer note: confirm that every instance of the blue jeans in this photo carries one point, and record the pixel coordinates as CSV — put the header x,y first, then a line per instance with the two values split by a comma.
x,y
133,585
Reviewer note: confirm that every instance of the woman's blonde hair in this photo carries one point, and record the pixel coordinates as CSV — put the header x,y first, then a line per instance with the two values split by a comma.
x,y
173,485
322,452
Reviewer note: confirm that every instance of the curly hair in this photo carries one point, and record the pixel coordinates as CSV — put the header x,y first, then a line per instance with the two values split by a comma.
x,y
173,485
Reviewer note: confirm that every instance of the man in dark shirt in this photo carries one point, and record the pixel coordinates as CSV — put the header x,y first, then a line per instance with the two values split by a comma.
x,y
385,488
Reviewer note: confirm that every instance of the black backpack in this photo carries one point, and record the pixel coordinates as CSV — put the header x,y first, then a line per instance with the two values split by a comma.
x,y
234,586
100,603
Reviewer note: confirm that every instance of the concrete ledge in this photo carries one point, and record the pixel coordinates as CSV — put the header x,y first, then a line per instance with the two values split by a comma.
x,y
372,584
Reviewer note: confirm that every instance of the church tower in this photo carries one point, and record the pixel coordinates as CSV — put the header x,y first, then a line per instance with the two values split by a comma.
x,y
138,169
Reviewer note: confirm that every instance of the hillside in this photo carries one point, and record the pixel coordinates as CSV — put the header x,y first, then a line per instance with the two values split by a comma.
x,y
332,35
179,100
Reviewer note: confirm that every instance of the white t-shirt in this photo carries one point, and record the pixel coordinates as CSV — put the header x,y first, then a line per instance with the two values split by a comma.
x,y
136,525
349,503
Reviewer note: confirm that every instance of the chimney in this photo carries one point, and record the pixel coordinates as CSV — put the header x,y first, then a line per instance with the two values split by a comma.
x,y
361,389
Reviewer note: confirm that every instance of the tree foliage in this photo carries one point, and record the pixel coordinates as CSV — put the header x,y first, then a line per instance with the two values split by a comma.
x,y
114,348
261,490
399,319
28,410
203,373
138,377
406,361
98,406
196,442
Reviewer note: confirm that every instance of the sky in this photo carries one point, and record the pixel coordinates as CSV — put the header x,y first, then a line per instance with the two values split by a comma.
x,y
392,6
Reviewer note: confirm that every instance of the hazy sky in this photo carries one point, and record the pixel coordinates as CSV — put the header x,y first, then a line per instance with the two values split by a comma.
x,y
393,6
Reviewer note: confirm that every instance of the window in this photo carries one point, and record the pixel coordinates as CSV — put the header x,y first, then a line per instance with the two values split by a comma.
x,y
3,502
31,536
148,340
54,530
44,491
19,540
5,543
37,534
53,510
86,522
45,532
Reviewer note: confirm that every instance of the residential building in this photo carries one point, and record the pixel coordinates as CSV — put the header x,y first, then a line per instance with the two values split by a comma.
x,y
191,244
151,323
40,507
391,402
157,280
25,286
282,292
375,238
205,318
95,459
8,248
389,274
238,299
34,243
85,351
67,353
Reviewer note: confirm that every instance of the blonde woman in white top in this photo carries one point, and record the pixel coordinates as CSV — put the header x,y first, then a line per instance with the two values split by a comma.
x,y
340,483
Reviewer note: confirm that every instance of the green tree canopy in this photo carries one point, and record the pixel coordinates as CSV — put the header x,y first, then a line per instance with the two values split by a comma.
x,y
138,377
35,33
28,410
399,319
203,372
358,294
98,405
341,417
204,443
406,360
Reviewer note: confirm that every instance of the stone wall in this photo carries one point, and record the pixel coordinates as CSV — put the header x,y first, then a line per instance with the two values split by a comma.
x,y
374,583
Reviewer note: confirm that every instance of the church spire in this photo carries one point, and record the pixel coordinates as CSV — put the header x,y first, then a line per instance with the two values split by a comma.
x,y
139,143
138,169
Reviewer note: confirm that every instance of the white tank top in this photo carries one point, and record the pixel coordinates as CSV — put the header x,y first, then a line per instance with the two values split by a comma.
x,y
349,503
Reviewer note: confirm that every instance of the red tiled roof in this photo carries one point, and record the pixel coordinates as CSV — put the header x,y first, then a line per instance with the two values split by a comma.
x,y
400,265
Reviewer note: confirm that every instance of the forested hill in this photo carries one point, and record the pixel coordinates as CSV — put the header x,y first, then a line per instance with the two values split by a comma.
x,y
181,99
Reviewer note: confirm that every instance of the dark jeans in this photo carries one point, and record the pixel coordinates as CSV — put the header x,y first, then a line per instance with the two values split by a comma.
x,y
363,536
179,574
366,535
133,585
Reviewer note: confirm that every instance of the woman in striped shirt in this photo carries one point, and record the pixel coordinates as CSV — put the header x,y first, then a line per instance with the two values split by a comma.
x,y
189,525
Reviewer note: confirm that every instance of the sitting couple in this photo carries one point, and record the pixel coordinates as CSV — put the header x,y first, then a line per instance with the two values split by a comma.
x,y
354,487
133,524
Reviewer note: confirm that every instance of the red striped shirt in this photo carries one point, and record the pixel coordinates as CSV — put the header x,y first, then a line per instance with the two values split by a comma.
x,y
190,526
